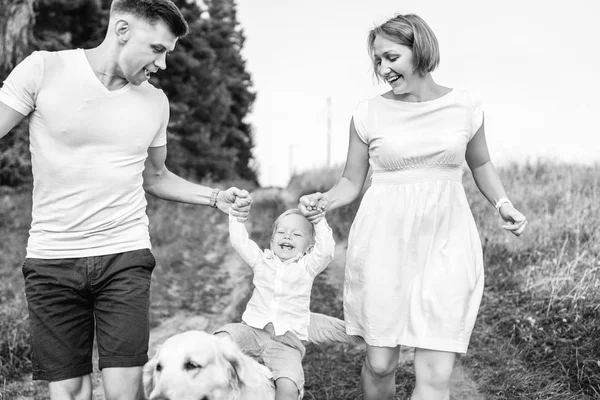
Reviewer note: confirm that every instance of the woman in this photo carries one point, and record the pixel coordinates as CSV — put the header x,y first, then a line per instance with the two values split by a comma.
x,y
414,272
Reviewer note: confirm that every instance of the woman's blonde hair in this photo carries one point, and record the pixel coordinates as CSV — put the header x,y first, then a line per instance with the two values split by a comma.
x,y
412,31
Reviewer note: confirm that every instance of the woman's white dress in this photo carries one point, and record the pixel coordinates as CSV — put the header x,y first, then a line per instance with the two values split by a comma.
x,y
414,270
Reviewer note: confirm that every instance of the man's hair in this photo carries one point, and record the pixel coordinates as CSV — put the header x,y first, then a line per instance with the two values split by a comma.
x,y
153,11
411,31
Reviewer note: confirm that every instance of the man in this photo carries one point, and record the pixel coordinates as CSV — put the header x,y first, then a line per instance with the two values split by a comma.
x,y
98,141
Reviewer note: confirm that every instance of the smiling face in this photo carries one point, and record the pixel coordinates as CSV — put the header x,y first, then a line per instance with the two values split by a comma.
x,y
292,236
195,365
188,366
394,64
144,47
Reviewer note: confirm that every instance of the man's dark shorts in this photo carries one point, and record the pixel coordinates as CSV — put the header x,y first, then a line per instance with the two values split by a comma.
x,y
67,298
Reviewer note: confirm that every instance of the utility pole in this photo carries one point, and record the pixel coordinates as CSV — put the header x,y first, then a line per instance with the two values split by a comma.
x,y
329,131
292,167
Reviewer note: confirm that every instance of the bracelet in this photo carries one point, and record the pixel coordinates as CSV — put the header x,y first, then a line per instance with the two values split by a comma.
x,y
213,198
500,202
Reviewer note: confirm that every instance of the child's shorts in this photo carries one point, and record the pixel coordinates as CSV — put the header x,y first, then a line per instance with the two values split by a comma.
x,y
282,354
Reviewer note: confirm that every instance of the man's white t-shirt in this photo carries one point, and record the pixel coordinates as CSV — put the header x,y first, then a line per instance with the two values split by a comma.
x,y
88,149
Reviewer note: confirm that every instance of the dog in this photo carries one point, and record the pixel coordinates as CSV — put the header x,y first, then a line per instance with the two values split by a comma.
x,y
195,365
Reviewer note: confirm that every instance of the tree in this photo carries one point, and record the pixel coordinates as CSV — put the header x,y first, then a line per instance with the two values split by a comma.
x,y
228,40
16,19
210,93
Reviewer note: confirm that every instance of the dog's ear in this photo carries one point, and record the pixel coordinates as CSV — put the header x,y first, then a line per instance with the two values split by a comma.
x,y
235,358
148,375
246,371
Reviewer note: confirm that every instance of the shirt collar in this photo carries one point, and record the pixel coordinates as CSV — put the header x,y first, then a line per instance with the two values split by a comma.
x,y
271,256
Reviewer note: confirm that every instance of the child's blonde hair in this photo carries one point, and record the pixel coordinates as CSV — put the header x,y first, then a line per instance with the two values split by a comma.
x,y
293,211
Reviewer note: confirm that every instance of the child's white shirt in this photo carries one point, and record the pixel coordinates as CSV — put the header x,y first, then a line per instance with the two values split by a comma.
x,y
282,290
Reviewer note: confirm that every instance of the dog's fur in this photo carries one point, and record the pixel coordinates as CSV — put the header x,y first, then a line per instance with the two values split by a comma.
x,y
197,366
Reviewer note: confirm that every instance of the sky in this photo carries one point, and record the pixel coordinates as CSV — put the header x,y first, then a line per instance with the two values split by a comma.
x,y
534,64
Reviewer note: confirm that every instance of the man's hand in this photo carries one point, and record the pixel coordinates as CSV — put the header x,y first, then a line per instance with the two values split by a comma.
x,y
235,201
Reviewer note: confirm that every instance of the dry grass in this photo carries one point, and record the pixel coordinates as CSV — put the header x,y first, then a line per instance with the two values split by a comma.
x,y
536,334
14,227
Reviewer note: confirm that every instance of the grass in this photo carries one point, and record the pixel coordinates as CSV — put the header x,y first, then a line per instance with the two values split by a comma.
x,y
542,302
537,329
14,226
536,335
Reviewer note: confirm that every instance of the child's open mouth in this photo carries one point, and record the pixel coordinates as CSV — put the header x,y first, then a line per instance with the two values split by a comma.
x,y
286,246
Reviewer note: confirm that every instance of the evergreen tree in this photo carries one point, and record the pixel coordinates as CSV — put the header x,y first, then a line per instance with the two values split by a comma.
x,y
210,93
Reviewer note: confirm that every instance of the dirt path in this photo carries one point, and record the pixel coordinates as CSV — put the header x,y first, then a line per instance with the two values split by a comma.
x,y
238,279
238,284
462,386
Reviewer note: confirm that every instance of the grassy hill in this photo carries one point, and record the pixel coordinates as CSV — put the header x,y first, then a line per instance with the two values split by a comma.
x,y
537,332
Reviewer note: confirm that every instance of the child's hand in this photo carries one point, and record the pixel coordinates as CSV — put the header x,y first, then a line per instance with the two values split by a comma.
x,y
241,206
315,219
516,220
313,205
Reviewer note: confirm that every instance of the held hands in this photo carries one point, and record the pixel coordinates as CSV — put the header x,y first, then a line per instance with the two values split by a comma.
x,y
237,200
516,221
313,206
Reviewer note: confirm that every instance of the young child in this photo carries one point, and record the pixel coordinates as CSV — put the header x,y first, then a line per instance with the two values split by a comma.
x,y
277,316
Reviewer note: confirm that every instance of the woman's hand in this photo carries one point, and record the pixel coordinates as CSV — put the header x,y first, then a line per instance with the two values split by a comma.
x,y
516,221
313,206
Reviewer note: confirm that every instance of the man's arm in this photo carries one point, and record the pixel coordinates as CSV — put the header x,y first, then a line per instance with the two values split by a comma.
x,y
162,183
19,91
9,118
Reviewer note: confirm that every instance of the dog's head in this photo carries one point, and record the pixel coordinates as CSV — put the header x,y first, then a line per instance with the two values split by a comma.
x,y
195,365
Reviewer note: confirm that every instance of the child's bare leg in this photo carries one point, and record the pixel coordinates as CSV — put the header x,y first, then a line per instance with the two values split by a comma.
x,y
286,389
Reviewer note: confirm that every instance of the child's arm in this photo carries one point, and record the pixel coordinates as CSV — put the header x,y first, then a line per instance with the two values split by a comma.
x,y
246,248
324,250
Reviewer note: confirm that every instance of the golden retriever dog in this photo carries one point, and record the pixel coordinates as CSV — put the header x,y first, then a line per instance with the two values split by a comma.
x,y
195,365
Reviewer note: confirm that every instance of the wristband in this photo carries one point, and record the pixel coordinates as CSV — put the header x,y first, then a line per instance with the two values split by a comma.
x,y
500,202
213,198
